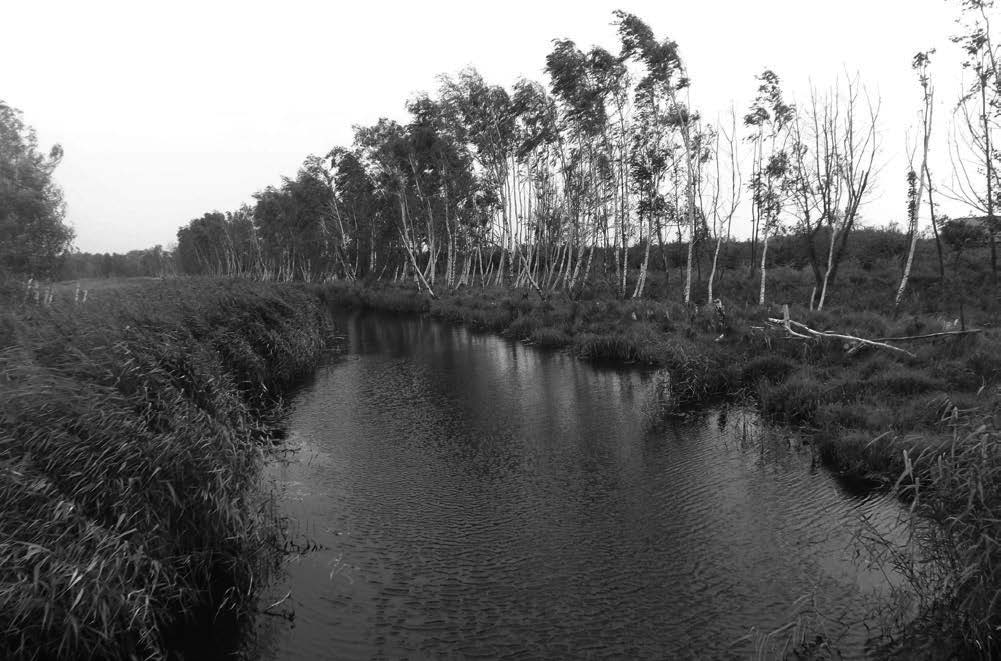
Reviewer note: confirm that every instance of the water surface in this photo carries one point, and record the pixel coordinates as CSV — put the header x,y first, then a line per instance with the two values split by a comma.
x,y
474,497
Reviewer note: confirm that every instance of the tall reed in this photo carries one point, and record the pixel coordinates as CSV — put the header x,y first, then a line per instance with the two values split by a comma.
x,y
131,439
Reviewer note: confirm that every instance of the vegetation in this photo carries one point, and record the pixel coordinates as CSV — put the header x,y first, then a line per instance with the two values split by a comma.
x,y
949,605
132,430
593,213
32,233
846,395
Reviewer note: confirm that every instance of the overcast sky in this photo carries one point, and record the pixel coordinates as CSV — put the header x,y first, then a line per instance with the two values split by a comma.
x,y
172,109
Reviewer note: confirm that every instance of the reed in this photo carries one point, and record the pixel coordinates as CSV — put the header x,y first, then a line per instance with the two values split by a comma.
x,y
132,433
951,562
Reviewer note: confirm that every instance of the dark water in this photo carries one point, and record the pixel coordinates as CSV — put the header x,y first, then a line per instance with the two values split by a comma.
x,y
477,498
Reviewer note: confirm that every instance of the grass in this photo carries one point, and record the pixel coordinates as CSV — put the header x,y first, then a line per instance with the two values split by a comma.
x,y
952,560
132,433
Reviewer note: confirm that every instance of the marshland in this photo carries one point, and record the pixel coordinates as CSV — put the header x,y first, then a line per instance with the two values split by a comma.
x,y
578,366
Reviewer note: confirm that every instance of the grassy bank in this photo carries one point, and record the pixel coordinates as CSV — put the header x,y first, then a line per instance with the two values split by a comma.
x,y
131,438
862,407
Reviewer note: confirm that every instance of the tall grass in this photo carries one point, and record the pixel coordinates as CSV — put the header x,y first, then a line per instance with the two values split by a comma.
x,y
131,439
952,560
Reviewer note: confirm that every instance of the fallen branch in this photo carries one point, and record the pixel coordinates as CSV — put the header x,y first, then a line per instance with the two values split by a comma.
x,y
808,332
907,338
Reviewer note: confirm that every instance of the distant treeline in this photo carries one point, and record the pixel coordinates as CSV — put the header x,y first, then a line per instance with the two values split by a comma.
x,y
153,262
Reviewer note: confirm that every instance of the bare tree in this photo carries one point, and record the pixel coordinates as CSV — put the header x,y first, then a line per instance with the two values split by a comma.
x,y
834,151
725,198
973,152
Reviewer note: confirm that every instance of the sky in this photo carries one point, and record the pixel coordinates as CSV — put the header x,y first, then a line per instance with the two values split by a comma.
x,y
169,110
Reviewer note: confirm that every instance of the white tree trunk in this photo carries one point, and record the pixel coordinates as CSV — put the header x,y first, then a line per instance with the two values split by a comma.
x,y
712,271
827,273
764,270
641,283
914,243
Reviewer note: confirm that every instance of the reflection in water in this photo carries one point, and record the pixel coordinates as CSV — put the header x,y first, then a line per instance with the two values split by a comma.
x,y
478,498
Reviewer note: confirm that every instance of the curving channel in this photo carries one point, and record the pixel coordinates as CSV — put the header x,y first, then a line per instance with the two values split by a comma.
x,y
471,497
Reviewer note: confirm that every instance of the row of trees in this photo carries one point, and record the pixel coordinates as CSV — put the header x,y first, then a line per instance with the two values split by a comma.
x,y
547,186
152,262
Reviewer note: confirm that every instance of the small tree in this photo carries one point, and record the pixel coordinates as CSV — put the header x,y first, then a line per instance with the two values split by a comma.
x,y
725,197
920,64
771,118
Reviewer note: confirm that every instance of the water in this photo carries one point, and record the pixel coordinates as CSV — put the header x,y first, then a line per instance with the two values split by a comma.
x,y
473,497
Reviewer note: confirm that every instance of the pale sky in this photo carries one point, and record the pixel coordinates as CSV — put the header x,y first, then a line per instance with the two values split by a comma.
x,y
169,110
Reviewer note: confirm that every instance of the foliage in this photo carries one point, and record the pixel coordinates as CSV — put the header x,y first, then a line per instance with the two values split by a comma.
x,y
32,232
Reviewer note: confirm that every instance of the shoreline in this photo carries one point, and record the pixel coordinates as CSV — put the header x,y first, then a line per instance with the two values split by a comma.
x,y
842,402
132,435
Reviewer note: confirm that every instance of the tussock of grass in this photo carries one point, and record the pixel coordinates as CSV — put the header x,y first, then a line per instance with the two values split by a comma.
x,y
523,327
130,445
903,380
772,368
548,336
794,400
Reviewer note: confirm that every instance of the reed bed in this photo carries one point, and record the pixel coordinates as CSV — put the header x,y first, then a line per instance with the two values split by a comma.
x,y
132,433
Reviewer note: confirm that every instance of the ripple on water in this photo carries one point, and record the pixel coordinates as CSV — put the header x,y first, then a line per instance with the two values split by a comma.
x,y
475,498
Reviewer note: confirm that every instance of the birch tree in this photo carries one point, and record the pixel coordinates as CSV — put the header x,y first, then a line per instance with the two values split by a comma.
x,y
770,118
920,64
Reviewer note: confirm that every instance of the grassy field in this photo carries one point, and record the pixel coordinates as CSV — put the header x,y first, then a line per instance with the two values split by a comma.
x,y
132,431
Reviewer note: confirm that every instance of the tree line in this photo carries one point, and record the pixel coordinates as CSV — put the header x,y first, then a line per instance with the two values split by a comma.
x,y
595,174
546,186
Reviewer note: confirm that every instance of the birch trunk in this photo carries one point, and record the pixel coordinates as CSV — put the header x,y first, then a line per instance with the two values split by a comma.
x,y
764,271
827,273
712,271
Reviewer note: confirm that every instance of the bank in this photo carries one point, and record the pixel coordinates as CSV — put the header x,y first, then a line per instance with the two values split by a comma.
x,y
133,427
843,397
